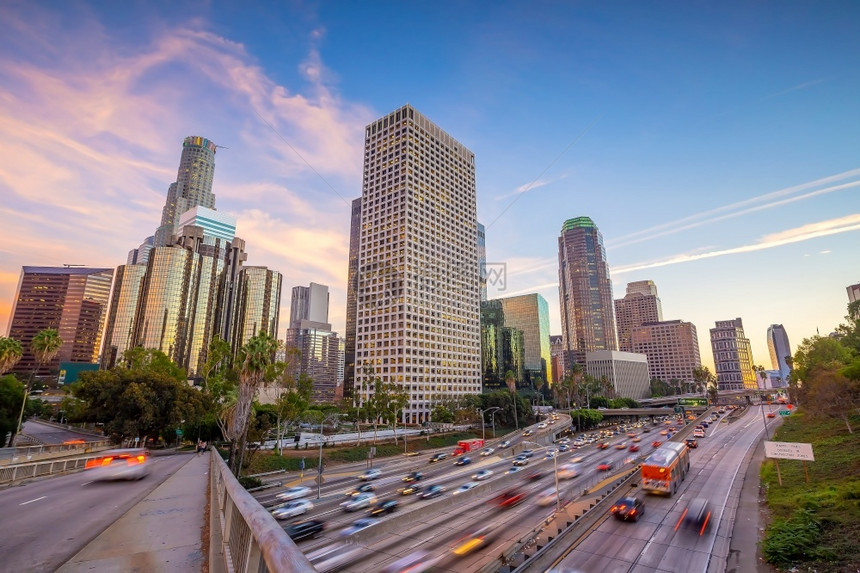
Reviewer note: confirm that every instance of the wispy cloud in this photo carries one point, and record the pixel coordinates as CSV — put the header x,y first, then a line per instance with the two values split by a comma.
x,y
740,208
798,234
525,188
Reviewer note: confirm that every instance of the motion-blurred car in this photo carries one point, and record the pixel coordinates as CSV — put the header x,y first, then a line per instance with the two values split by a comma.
x,y
487,452
542,425
292,509
628,509
466,487
569,471
699,433
534,476
695,516
551,453
528,433
691,443
123,464
438,457
360,501
293,493
412,476
515,469
605,466
482,475
547,497
656,444
471,541
363,488
509,498
621,446
577,459
358,525
433,491
331,557
411,488
520,461
383,507
416,562
634,448
305,529
370,474
637,439
505,444
527,453
602,446
463,461
771,415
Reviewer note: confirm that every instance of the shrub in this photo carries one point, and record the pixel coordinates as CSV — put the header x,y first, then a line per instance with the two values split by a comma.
x,y
789,540
249,482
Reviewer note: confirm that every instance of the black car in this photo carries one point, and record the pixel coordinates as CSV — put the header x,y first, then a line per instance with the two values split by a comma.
x,y
438,457
383,507
691,443
305,529
363,488
527,453
628,509
412,476
696,516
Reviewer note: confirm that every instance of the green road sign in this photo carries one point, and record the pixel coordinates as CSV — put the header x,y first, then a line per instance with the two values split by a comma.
x,y
693,401
785,412
178,431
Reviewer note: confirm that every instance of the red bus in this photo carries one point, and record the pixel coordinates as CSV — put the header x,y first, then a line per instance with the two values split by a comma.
x,y
665,469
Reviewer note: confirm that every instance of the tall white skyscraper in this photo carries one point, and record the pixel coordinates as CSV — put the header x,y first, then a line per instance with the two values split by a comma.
x,y
417,315
779,349
309,303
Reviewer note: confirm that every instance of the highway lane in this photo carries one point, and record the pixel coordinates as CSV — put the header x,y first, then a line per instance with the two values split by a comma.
x,y
653,543
51,434
45,522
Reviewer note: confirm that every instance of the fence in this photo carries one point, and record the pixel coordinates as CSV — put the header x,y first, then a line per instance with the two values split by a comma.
x,y
15,472
23,454
244,536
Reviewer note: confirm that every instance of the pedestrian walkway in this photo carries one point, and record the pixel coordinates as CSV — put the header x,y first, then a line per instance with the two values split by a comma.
x,y
162,533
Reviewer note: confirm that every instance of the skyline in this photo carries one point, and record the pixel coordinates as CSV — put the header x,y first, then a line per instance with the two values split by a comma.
x,y
566,114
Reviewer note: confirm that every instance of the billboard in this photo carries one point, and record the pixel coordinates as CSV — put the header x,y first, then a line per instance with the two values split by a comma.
x,y
789,451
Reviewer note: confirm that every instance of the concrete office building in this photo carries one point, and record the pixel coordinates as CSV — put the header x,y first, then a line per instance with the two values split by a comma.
x,y
585,291
418,289
312,335
640,305
626,371
351,302
733,359
780,350
530,314
672,348
71,300
853,293
309,303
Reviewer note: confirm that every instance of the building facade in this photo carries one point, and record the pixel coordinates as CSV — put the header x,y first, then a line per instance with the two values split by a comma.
x,y
193,186
73,301
258,302
119,327
733,359
672,348
853,293
780,352
640,305
417,311
626,371
556,354
309,303
351,302
529,313
585,291
311,334
482,259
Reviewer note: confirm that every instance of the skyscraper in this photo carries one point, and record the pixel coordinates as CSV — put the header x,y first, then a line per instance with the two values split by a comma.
x,y
640,305
482,259
733,359
258,301
351,301
193,186
853,292
585,291
71,300
779,349
312,336
417,314
672,348
530,314
309,303
119,327
556,353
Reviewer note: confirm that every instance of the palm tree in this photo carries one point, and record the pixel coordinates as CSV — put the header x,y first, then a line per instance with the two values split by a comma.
x,y
44,346
511,381
256,360
10,354
539,384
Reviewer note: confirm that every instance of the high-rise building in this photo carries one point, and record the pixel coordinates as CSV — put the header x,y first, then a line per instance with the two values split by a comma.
x,y
351,301
193,186
672,348
119,327
585,291
417,315
71,300
780,351
258,301
733,359
482,259
140,255
530,314
309,303
556,355
853,293
502,348
640,305
626,371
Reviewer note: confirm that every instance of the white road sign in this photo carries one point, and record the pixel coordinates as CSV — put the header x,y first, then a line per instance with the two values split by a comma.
x,y
789,451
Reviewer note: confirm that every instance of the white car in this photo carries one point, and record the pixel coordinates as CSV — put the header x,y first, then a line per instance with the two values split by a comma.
x,y
547,497
466,487
482,475
569,471
698,433
542,425
292,509
370,474
293,493
488,452
360,501
358,525
505,444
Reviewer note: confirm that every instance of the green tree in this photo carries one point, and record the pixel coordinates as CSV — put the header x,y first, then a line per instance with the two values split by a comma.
x,y
511,382
44,346
10,354
659,388
539,384
11,396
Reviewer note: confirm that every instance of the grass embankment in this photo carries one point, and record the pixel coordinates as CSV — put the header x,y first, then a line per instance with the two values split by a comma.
x,y
267,461
815,526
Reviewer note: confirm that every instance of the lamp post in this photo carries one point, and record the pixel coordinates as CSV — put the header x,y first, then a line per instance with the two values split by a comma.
x,y
493,412
555,472
483,424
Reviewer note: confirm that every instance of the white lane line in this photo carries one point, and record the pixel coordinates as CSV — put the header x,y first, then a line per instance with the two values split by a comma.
x,y
32,500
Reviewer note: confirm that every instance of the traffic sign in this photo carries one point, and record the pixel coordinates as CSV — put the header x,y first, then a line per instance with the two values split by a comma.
x,y
178,431
693,401
785,412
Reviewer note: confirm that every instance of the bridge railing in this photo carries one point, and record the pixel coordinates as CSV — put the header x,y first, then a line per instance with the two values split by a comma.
x,y
244,535
24,454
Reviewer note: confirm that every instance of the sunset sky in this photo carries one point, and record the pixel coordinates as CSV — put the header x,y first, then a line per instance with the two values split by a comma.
x,y
716,145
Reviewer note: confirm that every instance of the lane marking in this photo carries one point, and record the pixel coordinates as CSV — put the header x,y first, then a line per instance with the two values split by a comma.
x,y
32,500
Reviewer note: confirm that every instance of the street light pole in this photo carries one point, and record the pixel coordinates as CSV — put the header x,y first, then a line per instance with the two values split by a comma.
x,y
492,412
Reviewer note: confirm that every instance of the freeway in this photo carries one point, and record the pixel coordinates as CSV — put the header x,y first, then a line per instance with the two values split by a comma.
x,y
47,521
55,433
656,543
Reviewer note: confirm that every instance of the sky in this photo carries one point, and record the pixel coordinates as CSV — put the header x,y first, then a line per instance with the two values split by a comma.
x,y
714,144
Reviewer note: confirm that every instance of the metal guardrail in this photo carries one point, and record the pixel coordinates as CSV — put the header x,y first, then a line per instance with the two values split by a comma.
x,y
247,536
15,472
24,454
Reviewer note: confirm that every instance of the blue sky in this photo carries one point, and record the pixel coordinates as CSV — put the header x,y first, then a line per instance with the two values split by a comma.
x,y
714,144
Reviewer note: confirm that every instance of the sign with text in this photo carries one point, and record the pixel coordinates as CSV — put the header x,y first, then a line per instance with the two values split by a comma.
x,y
785,412
789,451
693,401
